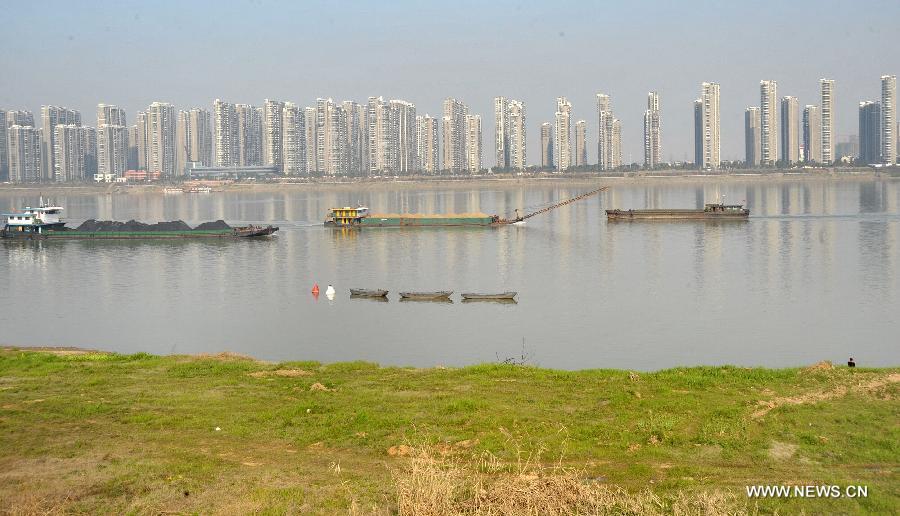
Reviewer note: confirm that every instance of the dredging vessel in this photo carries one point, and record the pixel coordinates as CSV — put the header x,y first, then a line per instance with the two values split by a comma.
x,y
711,211
44,222
360,217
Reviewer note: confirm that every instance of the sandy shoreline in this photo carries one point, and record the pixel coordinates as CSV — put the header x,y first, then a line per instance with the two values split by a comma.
x,y
865,175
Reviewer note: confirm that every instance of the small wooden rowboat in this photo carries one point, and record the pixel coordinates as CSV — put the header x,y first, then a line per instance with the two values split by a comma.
x,y
365,292
501,295
441,294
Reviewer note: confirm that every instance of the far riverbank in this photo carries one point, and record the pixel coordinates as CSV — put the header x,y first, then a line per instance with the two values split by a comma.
x,y
456,182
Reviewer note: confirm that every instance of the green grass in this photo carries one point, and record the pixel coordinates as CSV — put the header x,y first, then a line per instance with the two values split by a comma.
x,y
99,432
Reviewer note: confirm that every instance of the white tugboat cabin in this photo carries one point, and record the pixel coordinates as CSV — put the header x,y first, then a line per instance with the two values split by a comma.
x,y
33,220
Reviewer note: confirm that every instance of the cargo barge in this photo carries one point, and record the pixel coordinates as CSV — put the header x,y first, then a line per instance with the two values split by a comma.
x,y
713,211
360,217
44,222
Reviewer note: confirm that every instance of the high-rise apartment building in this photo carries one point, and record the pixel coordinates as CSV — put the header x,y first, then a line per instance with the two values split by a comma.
x,y
249,135
427,143
509,136
563,133
142,123
889,119
182,141
90,152
616,132
606,159
68,153
790,130
51,116
293,140
812,131
24,145
406,156
379,131
309,116
272,133
201,142
89,143
580,142
870,133
473,143
331,137
517,135
112,150
706,119
454,135
698,133
547,159
751,136
826,87
161,131
4,151
357,138
652,145
768,120
227,141
112,140
501,132
131,158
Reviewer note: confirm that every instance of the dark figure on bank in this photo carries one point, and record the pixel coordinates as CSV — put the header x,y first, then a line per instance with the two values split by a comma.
x,y
851,363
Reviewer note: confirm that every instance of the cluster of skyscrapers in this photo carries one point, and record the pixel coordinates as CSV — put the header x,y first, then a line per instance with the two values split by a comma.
x,y
560,152
810,137
388,137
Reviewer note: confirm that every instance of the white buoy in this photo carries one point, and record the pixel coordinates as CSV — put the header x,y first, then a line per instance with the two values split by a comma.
x,y
329,292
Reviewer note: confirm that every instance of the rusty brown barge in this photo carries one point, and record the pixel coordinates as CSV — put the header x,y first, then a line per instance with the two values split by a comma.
x,y
713,211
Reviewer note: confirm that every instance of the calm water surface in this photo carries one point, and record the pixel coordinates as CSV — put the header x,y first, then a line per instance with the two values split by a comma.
x,y
813,275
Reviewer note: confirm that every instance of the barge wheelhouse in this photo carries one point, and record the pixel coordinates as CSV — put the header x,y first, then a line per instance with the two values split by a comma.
x,y
33,221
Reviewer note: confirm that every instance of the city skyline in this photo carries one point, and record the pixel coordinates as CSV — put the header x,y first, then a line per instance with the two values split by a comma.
x,y
348,138
137,72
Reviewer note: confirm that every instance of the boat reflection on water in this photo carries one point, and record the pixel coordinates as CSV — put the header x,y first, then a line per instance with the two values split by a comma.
x,y
370,298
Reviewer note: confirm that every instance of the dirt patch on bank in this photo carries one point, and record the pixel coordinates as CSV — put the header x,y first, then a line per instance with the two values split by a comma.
x,y
766,406
285,373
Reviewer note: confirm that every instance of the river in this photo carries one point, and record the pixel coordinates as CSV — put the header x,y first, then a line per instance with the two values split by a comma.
x,y
812,275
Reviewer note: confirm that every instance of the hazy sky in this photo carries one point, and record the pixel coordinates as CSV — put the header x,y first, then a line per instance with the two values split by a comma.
x,y
77,54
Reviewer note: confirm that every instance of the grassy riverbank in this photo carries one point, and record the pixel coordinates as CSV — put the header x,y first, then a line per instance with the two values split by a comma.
x,y
97,432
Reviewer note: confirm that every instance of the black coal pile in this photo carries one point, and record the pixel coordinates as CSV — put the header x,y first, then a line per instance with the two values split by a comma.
x,y
219,224
132,225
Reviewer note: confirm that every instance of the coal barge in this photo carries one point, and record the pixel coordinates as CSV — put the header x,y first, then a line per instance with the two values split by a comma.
x,y
713,211
44,222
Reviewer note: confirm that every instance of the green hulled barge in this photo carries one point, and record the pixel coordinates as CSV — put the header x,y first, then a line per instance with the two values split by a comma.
x,y
44,222
360,217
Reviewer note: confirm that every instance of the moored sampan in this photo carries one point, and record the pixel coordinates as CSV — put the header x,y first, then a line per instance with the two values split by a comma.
x,y
440,294
365,292
501,295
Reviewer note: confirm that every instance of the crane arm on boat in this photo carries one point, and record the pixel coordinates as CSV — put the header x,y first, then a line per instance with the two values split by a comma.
x,y
554,206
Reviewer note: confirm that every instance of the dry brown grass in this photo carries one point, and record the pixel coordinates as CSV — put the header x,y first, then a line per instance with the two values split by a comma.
x,y
433,483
